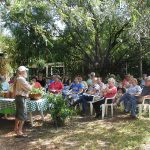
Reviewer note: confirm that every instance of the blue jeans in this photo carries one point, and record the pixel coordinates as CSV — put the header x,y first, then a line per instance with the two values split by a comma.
x,y
83,99
130,103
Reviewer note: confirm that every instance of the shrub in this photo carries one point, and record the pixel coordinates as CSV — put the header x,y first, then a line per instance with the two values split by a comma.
x,y
59,109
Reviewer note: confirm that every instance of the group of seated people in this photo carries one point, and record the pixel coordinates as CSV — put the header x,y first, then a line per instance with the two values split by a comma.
x,y
79,91
127,92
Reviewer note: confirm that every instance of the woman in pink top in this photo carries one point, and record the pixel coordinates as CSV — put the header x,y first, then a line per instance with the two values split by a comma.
x,y
126,81
109,92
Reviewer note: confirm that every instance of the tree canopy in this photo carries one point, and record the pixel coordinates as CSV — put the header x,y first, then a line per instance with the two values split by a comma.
x,y
97,35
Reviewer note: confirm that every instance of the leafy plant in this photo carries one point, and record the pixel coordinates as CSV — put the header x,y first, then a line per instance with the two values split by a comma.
x,y
59,109
37,91
40,63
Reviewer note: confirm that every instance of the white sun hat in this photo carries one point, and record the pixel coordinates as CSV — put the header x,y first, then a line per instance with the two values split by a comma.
x,y
148,78
22,68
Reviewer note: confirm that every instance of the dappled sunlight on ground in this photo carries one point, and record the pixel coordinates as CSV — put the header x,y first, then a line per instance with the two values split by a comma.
x,y
119,132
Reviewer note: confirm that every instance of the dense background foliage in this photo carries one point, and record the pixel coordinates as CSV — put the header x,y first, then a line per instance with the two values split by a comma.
x,y
88,35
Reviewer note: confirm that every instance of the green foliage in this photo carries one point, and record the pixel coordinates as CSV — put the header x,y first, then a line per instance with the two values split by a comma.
x,y
40,63
99,32
59,109
86,35
31,25
37,91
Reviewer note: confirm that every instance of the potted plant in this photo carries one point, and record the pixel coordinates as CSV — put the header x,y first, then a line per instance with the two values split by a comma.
x,y
36,94
59,109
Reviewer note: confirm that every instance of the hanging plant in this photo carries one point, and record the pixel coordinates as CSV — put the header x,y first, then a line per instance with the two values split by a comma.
x,y
40,63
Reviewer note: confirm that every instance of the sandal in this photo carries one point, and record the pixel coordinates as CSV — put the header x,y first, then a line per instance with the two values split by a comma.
x,y
21,136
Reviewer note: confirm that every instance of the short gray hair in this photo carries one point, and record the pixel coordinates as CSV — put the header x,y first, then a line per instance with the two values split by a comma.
x,y
112,80
148,78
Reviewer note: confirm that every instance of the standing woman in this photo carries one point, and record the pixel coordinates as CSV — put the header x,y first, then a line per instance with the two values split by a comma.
x,y
21,89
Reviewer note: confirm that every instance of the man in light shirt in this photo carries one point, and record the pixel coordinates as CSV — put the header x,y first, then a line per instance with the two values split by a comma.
x,y
21,89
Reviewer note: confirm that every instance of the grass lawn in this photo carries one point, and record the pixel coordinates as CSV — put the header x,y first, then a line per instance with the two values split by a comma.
x,y
118,133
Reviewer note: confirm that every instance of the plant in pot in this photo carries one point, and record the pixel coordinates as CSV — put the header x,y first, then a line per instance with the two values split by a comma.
x,y
36,93
59,109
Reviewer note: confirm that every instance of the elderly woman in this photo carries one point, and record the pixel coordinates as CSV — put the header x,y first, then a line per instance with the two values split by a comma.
x,y
88,96
56,87
130,97
109,92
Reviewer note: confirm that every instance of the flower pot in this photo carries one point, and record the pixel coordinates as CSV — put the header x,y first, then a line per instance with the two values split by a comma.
x,y
11,95
5,94
59,122
35,96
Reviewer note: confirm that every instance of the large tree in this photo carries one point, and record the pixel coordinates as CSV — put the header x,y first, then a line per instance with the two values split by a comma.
x,y
104,32
31,24
97,35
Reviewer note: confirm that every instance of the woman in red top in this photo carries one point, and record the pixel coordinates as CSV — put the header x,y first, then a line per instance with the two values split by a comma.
x,y
56,86
36,84
126,81
109,92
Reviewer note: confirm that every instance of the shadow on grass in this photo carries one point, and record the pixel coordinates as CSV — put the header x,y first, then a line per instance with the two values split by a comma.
x,y
82,133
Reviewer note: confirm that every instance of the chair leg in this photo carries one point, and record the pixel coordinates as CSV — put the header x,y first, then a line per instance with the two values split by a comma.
x,y
112,110
106,109
140,109
145,107
91,108
103,111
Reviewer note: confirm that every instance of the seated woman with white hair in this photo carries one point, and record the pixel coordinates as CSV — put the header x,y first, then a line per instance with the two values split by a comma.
x,y
109,92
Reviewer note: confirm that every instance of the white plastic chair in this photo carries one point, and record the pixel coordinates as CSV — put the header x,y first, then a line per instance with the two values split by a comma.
x,y
106,105
143,107
91,103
